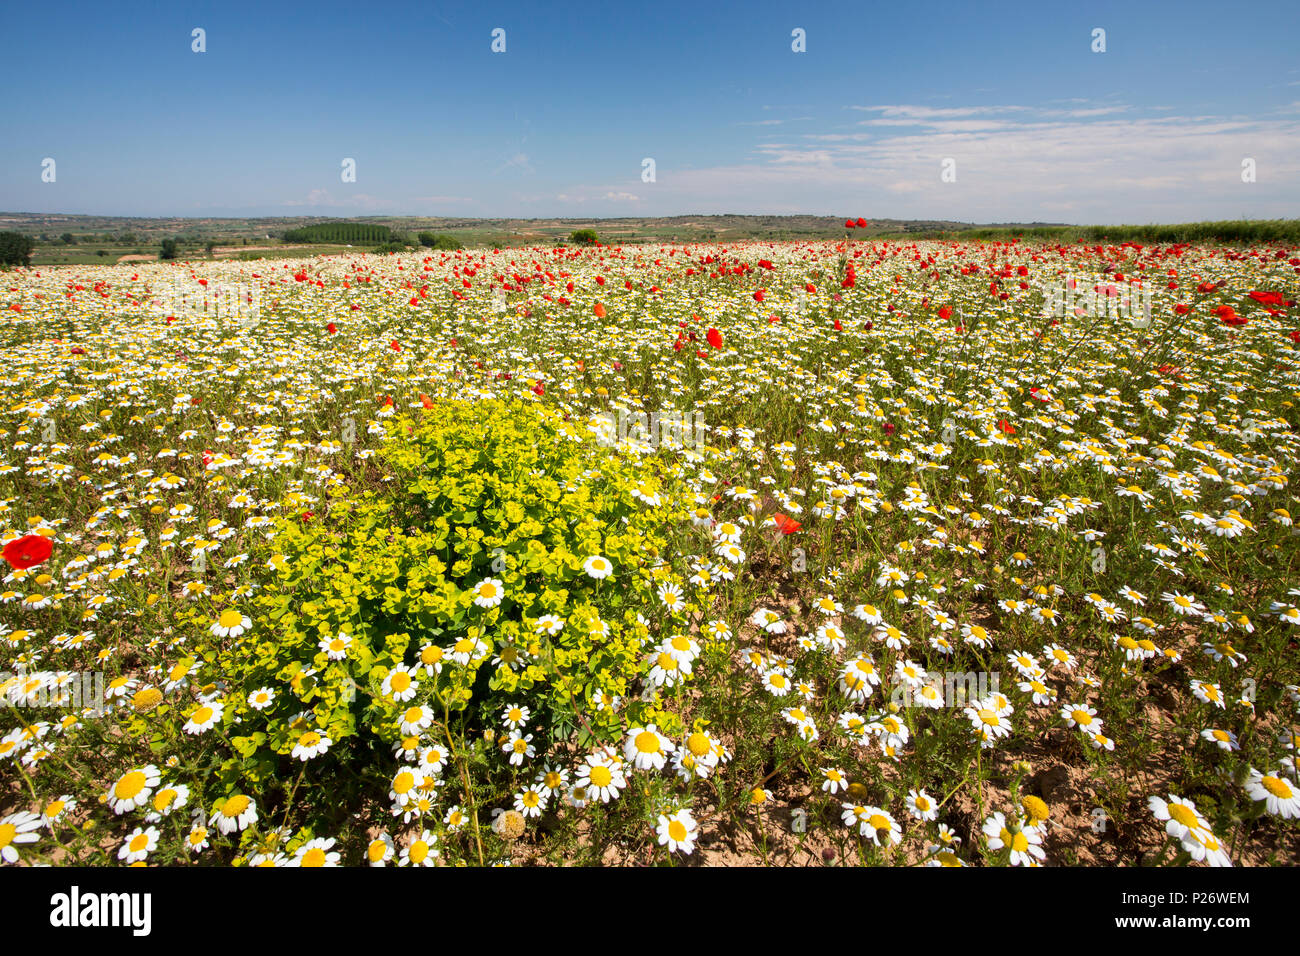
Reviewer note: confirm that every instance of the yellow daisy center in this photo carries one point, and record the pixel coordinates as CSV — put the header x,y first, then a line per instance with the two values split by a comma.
x,y
130,785
1183,815
1277,787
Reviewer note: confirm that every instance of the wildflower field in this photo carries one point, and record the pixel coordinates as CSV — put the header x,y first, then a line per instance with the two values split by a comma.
x,y
935,553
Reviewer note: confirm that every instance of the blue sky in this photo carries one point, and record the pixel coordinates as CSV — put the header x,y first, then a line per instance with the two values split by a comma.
x,y
1038,126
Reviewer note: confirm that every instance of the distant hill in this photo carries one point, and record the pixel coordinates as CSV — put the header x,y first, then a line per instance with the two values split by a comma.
x,y
66,239
513,232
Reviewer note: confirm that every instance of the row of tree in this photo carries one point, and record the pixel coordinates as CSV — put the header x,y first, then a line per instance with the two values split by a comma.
x,y
349,232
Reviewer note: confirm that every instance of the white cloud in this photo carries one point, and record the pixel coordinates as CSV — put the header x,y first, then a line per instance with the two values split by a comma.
x,y
593,194
323,197
1092,162
516,161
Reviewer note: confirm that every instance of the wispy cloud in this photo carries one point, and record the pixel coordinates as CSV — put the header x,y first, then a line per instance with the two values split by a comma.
x,y
1098,162
517,161
324,198
773,122
609,195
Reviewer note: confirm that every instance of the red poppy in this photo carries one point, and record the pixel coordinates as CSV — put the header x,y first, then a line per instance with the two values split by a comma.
x,y
307,516
758,296
395,346
849,223
426,401
786,524
28,551
539,389
1267,298
714,337
889,428
598,310
1228,316
207,457
838,326
1006,427
945,313
862,222
331,328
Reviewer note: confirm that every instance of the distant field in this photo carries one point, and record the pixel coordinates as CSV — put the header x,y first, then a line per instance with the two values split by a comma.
x,y
103,240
